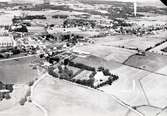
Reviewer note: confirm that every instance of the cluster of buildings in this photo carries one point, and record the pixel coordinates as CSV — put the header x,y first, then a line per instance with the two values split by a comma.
x,y
7,41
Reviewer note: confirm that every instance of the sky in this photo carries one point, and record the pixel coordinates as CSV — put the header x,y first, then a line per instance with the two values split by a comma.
x,y
106,0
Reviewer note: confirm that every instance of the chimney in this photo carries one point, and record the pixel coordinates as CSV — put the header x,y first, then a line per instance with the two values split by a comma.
x,y
135,8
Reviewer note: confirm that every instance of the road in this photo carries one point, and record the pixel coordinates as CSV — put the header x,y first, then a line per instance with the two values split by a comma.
x,y
3,60
33,92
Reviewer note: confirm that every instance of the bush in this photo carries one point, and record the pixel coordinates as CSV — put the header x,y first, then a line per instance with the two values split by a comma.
x,y
16,51
22,101
100,68
109,81
69,72
53,59
106,72
41,55
66,61
52,73
9,87
30,83
7,96
164,50
92,74
88,83
115,77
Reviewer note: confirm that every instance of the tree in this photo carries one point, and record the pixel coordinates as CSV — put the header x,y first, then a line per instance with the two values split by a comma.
x,y
66,62
106,72
164,1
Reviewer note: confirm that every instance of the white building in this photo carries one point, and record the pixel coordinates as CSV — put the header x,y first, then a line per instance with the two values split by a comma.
x,y
7,41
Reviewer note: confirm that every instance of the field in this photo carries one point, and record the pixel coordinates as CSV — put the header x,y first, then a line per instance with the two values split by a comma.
x,y
127,87
141,87
136,87
146,91
5,19
108,52
75,99
96,62
162,70
151,61
155,88
26,110
18,93
131,41
149,17
84,75
17,71
159,48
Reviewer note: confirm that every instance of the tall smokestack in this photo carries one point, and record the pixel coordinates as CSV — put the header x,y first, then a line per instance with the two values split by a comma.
x,y
135,8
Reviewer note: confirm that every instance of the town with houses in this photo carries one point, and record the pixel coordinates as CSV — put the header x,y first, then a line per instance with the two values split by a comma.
x,y
83,58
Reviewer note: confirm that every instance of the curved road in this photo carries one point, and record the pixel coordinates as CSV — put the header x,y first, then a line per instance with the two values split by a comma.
x,y
33,92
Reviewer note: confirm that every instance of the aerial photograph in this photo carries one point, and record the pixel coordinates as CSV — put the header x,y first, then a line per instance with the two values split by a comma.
x,y
83,58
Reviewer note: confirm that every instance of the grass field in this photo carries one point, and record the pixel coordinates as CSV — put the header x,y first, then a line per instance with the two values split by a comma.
x,y
159,48
155,88
26,110
84,75
96,62
131,41
18,93
151,61
64,98
137,87
127,87
108,52
148,110
17,71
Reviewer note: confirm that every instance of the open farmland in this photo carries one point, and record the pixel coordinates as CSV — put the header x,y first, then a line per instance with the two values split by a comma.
x,y
18,93
95,61
75,99
151,61
127,88
162,70
83,58
138,84
149,110
159,49
26,110
154,86
108,52
132,88
9,71
149,17
132,42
